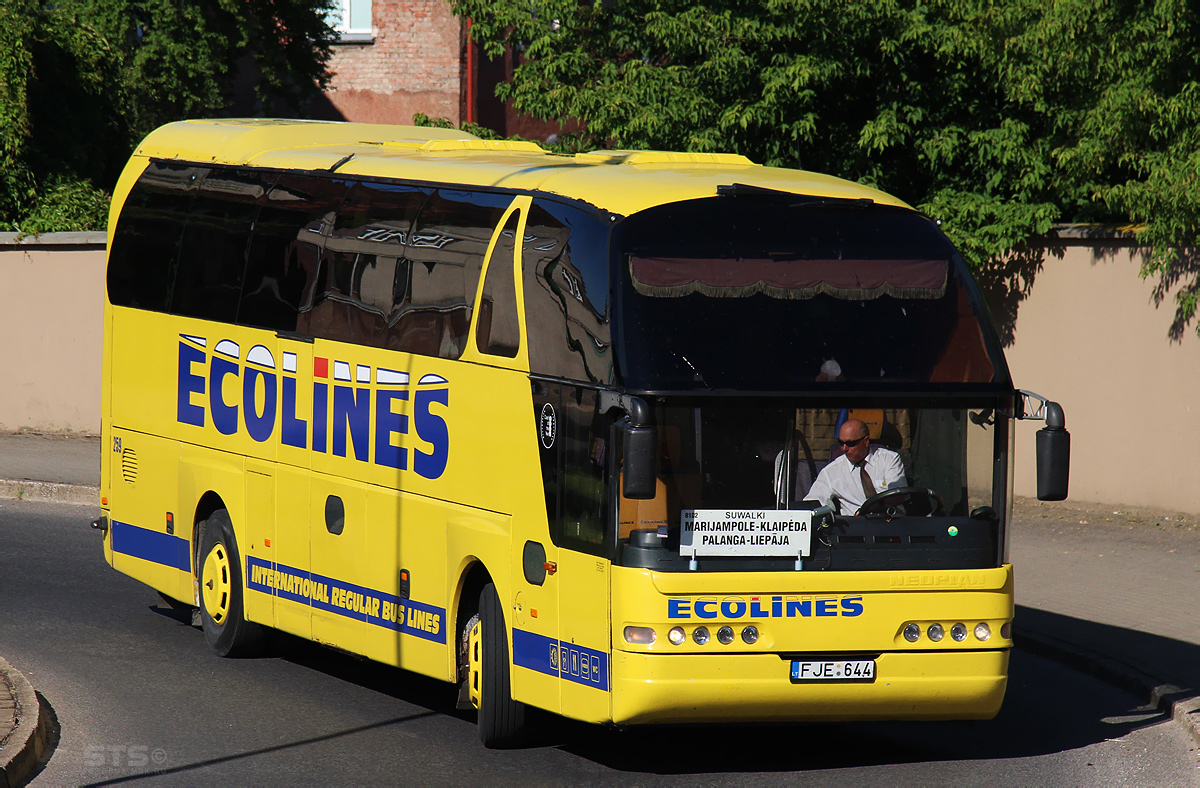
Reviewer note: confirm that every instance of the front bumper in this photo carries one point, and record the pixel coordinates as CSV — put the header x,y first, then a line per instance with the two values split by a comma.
x,y
913,685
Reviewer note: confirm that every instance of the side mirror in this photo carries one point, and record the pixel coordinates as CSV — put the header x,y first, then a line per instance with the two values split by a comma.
x,y
1053,455
641,461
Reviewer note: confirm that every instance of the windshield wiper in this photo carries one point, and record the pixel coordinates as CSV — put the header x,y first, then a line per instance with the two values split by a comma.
x,y
695,372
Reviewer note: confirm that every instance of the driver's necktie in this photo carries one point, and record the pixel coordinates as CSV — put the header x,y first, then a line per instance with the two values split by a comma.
x,y
868,486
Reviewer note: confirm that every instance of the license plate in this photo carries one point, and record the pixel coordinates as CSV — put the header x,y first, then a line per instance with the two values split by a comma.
x,y
834,670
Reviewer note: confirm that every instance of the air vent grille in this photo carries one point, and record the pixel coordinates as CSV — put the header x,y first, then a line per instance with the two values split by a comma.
x,y
129,465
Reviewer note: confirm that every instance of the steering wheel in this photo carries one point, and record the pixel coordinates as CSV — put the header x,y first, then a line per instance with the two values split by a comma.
x,y
887,502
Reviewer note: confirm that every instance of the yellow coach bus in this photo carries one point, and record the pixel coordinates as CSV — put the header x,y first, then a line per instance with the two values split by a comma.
x,y
547,426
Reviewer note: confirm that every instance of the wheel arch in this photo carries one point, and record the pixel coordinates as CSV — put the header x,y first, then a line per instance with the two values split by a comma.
x,y
209,502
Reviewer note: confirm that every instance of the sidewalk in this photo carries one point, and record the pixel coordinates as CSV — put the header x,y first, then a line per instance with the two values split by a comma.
x,y
1115,592
50,468
1110,592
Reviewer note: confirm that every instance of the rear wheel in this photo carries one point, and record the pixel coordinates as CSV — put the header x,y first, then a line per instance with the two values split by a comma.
x,y
501,719
227,631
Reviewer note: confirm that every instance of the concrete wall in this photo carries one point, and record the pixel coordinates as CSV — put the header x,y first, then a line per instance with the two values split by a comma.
x,y
51,313
1090,336
1084,330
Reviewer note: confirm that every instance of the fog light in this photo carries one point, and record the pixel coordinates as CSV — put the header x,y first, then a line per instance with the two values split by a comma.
x,y
936,632
983,632
959,632
700,635
641,635
676,636
912,633
725,635
1006,630
750,635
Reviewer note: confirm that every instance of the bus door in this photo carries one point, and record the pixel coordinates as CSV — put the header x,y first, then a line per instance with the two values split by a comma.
x,y
574,466
532,613
276,484
289,547
337,534
260,542
337,521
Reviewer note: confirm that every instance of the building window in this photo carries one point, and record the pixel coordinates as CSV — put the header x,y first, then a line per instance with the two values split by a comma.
x,y
351,19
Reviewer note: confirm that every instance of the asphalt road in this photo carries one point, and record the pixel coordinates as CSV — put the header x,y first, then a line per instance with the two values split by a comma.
x,y
139,699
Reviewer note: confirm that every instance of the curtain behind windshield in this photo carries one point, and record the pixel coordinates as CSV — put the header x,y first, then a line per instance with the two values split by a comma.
x,y
752,294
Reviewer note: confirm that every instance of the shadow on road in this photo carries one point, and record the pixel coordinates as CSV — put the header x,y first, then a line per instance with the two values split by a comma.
x,y
1136,661
1050,707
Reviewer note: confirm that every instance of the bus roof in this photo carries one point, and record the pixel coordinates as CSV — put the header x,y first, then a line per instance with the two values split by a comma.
x,y
613,180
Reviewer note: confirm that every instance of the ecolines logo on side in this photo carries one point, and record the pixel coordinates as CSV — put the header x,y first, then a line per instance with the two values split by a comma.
x,y
252,394
735,607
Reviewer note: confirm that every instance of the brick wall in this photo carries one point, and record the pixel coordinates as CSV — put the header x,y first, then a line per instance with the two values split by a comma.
x,y
412,66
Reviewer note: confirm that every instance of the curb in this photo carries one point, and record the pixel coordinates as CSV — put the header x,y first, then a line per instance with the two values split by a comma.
x,y
19,753
1175,703
50,492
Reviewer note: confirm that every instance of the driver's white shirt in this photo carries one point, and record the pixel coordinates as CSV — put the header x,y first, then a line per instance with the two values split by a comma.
x,y
883,466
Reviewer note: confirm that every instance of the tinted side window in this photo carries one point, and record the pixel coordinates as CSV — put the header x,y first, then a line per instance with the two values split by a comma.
x,y
445,252
565,275
583,433
363,272
574,465
285,250
498,331
212,258
141,263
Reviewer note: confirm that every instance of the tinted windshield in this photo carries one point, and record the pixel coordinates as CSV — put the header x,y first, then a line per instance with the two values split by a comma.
x,y
771,295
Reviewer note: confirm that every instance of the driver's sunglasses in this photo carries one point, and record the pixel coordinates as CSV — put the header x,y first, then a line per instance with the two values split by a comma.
x,y
853,442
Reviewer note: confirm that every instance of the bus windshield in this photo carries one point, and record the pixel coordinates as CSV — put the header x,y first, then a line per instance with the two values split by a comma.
x,y
754,459
795,295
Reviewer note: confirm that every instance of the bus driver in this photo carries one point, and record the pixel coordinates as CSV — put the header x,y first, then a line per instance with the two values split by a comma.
x,y
860,472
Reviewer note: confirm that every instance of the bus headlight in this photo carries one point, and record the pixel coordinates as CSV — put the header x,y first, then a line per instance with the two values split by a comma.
x,y
725,635
983,631
700,635
641,635
676,636
959,632
936,632
912,633
750,635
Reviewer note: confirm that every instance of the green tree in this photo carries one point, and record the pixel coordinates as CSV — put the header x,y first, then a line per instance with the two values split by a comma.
x,y
81,81
997,118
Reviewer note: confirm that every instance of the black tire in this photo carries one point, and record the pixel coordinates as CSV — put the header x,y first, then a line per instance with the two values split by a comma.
x,y
225,627
501,719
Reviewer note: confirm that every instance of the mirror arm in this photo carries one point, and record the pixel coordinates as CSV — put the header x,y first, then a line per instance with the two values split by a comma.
x,y
636,408
640,455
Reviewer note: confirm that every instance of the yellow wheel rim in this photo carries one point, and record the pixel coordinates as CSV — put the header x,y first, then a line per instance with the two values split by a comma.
x,y
214,584
474,664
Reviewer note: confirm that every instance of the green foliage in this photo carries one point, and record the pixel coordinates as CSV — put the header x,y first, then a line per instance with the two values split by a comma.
x,y
81,81
997,118
67,205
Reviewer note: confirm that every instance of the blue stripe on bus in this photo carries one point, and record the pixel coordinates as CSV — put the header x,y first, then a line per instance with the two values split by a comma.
x,y
554,657
347,599
152,546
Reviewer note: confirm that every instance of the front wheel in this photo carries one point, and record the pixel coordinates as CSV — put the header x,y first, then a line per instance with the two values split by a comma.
x,y
227,631
501,719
